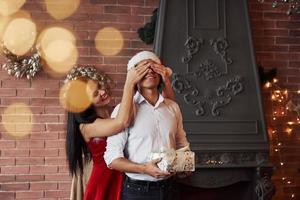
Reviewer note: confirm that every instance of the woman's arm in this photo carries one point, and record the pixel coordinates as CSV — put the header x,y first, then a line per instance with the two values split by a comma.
x,y
165,73
111,126
168,91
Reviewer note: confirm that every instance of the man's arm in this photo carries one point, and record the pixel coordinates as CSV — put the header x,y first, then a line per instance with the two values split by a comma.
x,y
181,140
150,168
116,143
168,91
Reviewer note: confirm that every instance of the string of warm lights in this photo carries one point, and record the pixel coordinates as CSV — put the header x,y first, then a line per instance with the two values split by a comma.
x,y
280,99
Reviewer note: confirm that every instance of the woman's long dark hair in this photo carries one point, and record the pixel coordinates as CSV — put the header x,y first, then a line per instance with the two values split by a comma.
x,y
76,148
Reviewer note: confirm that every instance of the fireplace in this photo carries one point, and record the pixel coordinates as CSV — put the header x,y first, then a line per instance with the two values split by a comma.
x,y
226,184
208,45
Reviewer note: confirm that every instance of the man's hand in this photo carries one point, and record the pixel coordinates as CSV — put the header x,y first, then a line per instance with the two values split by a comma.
x,y
152,169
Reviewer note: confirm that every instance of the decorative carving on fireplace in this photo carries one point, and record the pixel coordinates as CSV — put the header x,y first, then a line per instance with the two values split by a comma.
x,y
223,94
183,86
220,46
227,91
192,45
234,85
231,158
264,188
208,70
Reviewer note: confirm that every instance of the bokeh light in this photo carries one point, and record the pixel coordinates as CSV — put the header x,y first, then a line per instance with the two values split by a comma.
x,y
74,96
61,56
58,48
3,24
109,41
55,33
17,120
4,21
59,9
19,35
20,14
8,7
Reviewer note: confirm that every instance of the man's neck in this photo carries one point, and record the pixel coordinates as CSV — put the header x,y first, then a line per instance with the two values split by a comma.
x,y
151,95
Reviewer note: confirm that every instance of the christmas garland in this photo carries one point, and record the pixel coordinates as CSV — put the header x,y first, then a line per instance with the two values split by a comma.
x,y
28,65
89,72
294,5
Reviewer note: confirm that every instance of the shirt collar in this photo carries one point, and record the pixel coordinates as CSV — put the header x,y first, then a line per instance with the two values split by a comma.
x,y
139,98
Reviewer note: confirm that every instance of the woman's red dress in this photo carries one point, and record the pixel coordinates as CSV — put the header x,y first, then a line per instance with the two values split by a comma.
x,y
104,183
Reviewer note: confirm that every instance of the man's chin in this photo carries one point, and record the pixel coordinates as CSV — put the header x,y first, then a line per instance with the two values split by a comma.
x,y
150,87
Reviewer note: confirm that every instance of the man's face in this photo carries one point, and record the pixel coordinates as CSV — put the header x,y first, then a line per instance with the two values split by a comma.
x,y
151,79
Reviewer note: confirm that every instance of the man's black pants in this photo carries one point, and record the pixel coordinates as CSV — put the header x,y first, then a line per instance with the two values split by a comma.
x,y
145,190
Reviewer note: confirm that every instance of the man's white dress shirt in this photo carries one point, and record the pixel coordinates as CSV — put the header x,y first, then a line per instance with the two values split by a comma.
x,y
155,128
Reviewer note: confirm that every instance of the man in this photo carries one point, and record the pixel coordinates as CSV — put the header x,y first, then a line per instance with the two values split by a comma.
x,y
157,126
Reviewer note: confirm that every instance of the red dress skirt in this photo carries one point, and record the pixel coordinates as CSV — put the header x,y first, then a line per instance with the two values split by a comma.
x,y
104,183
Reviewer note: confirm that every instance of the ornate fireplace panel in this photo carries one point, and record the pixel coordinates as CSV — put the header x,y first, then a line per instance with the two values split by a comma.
x,y
208,45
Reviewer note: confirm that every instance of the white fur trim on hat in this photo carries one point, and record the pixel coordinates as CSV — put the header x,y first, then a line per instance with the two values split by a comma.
x,y
143,55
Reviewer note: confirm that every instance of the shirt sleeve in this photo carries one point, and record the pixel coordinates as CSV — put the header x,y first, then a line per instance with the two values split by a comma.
x,y
181,140
116,143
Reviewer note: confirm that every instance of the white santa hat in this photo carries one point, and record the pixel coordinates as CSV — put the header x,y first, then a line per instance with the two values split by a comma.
x,y
143,55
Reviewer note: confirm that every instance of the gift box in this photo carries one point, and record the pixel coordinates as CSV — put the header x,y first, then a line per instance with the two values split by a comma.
x,y
175,160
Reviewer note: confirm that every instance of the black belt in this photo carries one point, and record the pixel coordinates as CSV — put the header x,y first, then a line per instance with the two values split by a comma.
x,y
162,183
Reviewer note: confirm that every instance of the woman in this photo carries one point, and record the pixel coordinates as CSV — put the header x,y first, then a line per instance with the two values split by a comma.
x,y
87,132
